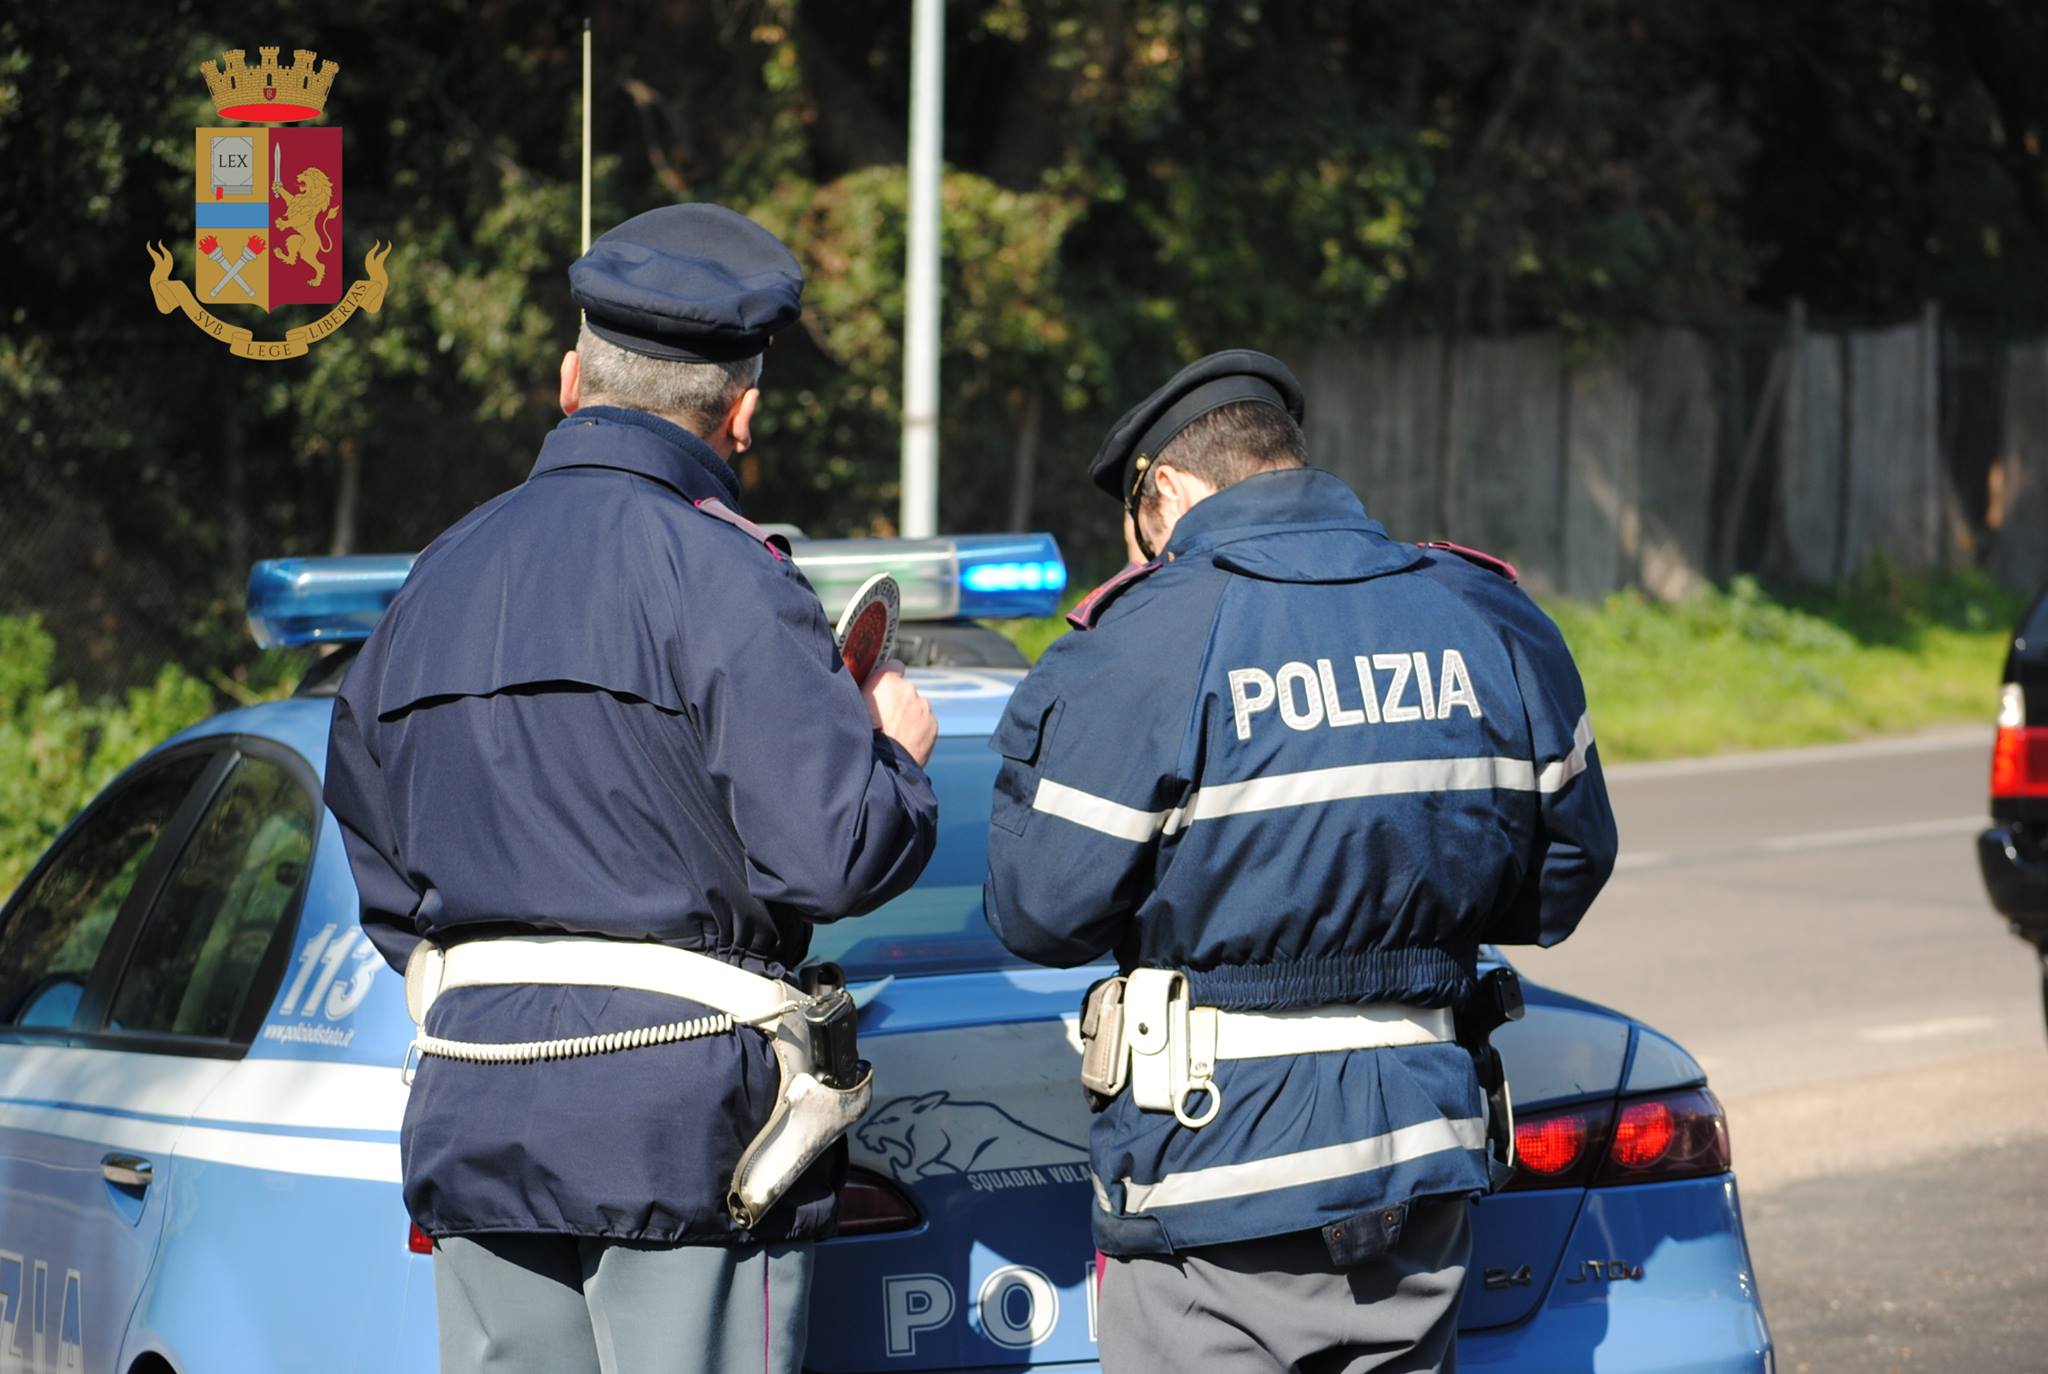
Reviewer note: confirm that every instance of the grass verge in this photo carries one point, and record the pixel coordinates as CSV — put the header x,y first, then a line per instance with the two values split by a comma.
x,y
1744,667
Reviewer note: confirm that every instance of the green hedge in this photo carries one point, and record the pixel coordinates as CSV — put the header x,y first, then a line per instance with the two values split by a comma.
x,y
57,752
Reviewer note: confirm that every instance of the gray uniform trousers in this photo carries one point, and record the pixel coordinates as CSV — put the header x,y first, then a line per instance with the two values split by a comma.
x,y
1263,1306
547,1304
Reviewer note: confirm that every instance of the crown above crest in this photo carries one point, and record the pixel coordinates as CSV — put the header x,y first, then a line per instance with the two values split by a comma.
x,y
268,93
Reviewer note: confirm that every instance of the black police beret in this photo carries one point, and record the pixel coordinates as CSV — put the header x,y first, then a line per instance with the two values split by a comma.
x,y
1236,374
696,283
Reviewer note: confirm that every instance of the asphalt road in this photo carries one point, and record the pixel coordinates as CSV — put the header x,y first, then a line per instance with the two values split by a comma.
x,y
1813,927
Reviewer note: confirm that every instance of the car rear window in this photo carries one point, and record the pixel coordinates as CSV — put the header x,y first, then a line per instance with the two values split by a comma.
x,y
937,926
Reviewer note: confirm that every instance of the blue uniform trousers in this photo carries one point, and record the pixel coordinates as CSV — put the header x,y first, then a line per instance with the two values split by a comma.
x,y
1278,1304
556,1304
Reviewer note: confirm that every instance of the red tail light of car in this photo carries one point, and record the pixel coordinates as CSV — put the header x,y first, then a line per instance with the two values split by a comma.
x,y
1643,1140
870,1205
2019,753
1643,1135
1675,1135
1561,1149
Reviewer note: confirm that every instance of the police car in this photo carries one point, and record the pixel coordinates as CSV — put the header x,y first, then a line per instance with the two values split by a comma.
x,y
200,1087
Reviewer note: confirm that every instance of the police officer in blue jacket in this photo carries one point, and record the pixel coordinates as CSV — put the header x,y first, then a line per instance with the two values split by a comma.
x,y
1292,773
599,770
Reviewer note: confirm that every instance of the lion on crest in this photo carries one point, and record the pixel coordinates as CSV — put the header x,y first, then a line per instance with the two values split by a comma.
x,y
306,214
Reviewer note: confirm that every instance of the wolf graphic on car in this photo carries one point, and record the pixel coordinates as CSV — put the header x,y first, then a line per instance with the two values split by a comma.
x,y
932,1135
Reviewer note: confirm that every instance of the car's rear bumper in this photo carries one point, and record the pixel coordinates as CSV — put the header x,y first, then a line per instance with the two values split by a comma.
x,y
1693,1310
2016,879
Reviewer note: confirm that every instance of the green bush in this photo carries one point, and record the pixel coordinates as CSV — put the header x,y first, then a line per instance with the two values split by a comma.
x,y
57,752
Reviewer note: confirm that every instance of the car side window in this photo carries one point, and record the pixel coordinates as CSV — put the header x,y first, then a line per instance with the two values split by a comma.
x,y
63,917
195,965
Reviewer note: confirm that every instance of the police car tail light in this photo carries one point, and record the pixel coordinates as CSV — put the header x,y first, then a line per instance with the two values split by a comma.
x,y
1559,1149
870,1205
1639,1140
1675,1135
2019,753
980,576
1643,1135
322,600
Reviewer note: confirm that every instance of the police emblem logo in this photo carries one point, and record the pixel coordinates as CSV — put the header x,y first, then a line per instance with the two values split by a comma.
x,y
267,209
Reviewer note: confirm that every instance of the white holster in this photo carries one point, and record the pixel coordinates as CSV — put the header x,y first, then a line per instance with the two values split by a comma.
x,y
1140,1029
809,1114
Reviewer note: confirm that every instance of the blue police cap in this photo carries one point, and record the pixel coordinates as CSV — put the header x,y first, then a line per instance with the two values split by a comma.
x,y
695,283
1221,379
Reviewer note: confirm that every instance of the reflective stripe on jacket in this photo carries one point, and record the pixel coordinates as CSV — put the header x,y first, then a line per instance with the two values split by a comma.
x,y
1307,765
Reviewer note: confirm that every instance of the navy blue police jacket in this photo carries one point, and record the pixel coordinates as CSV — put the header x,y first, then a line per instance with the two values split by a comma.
x,y
1308,766
595,708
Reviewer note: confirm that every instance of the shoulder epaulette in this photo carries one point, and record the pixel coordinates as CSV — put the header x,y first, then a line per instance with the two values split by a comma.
x,y
1084,616
1485,560
718,510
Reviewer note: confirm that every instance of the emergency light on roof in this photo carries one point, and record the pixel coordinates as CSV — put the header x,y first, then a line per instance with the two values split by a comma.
x,y
979,576
322,600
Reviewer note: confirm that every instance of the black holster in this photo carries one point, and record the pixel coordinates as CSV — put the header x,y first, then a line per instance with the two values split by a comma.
x,y
1496,1001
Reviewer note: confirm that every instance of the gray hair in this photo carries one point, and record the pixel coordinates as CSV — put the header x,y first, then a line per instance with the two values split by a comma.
x,y
694,395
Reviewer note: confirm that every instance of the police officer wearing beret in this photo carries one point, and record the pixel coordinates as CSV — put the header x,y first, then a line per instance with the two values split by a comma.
x,y
1293,773
599,770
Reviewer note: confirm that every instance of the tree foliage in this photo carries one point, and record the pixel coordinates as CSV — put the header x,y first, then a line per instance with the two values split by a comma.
x,y
57,752
1130,183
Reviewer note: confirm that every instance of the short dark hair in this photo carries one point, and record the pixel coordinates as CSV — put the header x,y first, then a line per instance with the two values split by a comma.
x,y
1233,442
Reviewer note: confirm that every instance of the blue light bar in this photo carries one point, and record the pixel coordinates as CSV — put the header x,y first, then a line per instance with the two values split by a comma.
x,y
983,576
1008,575
980,576
322,600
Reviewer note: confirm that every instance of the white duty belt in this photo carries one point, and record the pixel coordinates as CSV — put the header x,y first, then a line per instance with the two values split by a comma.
x,y
1143,1031
809,1113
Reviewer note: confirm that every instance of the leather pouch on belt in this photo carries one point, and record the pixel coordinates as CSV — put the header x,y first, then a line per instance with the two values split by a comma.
x,y
1104,1056
1148,1004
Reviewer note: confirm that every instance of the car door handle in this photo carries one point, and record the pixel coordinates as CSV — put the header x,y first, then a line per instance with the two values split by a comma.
x,y
127,1171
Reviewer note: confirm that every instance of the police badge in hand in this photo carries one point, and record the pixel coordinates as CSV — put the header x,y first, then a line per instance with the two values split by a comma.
x,y
867,627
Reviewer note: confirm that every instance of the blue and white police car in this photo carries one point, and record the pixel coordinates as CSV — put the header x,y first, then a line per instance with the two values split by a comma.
x,y
200,1087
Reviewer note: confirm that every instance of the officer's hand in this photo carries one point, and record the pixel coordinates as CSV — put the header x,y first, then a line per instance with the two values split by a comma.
x,y
898,711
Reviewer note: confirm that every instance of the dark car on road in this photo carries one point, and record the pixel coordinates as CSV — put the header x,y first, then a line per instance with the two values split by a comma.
x,y
2014,851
